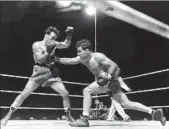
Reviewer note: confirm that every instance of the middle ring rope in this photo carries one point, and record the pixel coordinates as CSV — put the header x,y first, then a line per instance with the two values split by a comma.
x,y
134,92
35,93
47,94
77,83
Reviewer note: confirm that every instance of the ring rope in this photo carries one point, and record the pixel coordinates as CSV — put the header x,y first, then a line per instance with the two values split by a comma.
x,y
79,83
47,94
40,108
35,93
146,74
134,92
24,77
149,90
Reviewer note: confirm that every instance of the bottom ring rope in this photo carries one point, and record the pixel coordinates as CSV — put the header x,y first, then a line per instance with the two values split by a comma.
x,y
40,108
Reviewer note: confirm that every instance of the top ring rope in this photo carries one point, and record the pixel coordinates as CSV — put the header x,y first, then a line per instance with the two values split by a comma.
x,y
24,77
149,90
85,84
146,74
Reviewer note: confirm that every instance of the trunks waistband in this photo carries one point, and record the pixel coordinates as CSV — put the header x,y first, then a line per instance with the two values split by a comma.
x,y
43,65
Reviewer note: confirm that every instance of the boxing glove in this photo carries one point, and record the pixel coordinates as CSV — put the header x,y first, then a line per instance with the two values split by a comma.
x,y
69,32
103,78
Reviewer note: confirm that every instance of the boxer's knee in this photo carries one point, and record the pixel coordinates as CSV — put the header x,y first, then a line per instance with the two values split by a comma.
x,y
65,94
126,104
123,104
86,91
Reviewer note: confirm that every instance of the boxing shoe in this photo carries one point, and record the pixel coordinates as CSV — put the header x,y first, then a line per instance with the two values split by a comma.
x,y
127,119
70,118
158,115
82,122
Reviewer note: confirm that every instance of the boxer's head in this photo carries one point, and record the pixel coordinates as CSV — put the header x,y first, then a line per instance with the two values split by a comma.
x,y
84,49
51,34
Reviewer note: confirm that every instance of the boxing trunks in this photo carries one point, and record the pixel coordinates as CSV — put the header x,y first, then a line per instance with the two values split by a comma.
x,y
42,73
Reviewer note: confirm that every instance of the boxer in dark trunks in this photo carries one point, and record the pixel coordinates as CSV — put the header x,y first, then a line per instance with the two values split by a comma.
x,y
44,71
107,73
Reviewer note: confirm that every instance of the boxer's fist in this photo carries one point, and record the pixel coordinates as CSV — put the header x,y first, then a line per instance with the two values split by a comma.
x,y
69,32
102,81
103,74
103,78
57,59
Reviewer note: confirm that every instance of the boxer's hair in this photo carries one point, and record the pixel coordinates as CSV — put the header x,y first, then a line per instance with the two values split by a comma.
x,y
84,43
52,29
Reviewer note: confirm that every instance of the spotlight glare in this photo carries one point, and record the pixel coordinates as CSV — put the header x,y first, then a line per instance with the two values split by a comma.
x,y
65,3
90,10
84,2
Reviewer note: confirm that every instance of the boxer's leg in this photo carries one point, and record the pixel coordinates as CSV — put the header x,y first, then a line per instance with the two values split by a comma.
x,y
93,88
125,102
29,88
59,87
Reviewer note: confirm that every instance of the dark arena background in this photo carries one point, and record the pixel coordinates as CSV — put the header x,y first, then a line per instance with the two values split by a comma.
x,y
121,36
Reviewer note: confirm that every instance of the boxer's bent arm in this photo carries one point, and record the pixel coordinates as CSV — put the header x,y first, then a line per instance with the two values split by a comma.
x,y
69,61
65,44
105,61
39,56
112,68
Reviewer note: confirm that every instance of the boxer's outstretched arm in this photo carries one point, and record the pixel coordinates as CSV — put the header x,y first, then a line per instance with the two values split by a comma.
x,y
70,61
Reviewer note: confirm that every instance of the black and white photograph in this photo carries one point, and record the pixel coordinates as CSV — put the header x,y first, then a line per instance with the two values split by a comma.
x,y
72,64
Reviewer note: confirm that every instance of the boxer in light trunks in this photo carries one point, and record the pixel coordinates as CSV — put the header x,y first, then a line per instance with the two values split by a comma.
x,y
44,72
107,73
116,106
